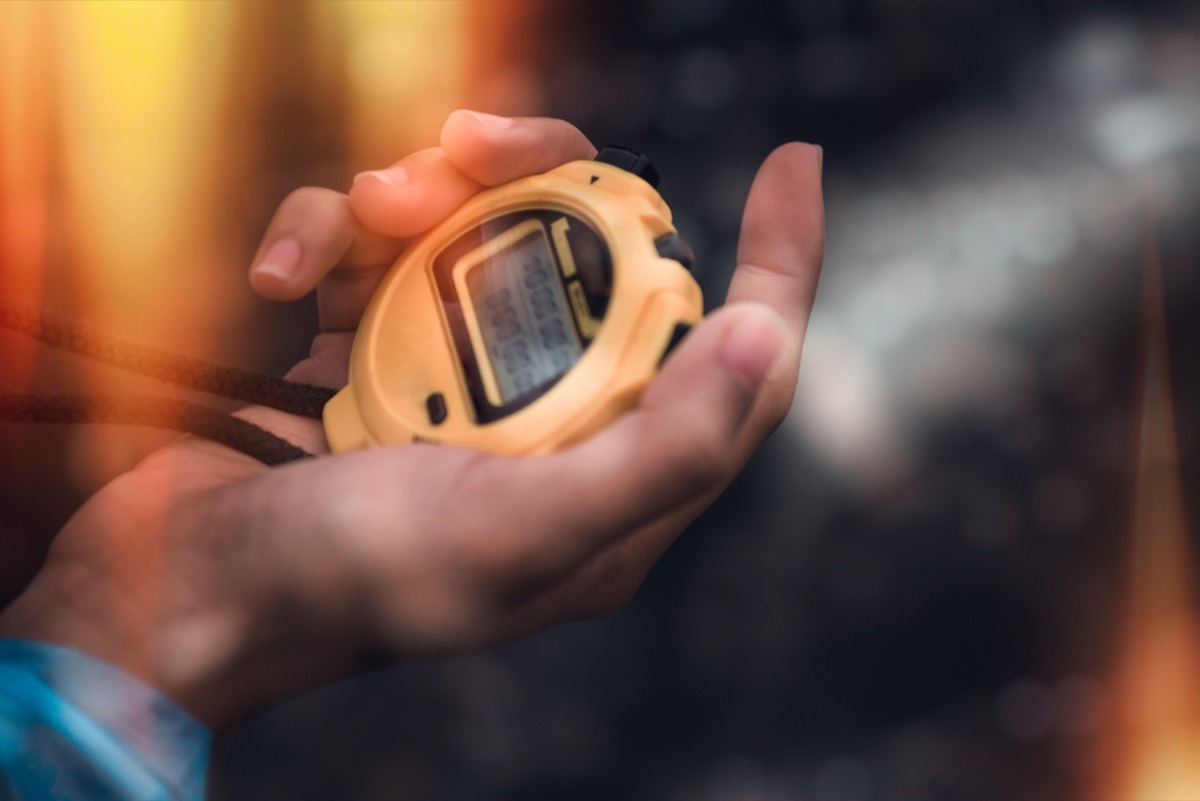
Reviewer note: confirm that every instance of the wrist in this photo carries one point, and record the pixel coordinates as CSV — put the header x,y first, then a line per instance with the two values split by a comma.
x,y
187,660
185,599
130,584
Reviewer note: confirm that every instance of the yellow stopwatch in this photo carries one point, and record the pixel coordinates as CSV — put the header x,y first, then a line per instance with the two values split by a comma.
x,y
532,317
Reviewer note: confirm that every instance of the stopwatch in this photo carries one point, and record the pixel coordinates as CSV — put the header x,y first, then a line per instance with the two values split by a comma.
x,y
533,316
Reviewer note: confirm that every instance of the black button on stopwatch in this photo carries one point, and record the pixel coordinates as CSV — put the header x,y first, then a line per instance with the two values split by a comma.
x,y
630,161
673,246
435,405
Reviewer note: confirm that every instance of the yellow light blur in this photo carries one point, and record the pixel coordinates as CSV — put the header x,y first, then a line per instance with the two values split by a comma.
x,y
141,85
406,67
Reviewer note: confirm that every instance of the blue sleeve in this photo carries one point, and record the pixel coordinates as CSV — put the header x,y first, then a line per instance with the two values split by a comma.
x,y
72,727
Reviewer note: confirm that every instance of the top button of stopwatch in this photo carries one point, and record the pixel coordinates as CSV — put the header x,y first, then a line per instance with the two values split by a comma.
x,y
630,161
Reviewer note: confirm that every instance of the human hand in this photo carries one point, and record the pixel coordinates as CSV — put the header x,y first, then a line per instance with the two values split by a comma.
x,y
232,586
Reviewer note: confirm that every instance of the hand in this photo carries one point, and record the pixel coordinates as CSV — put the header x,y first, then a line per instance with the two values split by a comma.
x,y
232,586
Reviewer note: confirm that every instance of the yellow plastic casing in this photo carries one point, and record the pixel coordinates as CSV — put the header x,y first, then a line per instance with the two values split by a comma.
x,y
403,350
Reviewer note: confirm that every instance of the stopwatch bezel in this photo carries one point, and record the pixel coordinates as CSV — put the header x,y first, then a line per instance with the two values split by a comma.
x,y
652,295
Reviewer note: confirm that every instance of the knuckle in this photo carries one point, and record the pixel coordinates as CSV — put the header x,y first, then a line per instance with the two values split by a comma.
x,y
490,169
570,144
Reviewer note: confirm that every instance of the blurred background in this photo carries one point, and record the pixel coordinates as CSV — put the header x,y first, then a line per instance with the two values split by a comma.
x,y
963,567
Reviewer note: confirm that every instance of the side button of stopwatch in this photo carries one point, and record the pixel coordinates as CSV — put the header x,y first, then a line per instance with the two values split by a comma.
x,y
681,331
630,161
435,405
673,246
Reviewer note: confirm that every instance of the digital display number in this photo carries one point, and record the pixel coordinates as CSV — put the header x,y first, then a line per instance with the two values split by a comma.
x,y
523,316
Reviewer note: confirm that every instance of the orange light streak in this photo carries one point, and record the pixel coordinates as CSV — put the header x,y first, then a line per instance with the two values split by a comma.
x,y
1152,748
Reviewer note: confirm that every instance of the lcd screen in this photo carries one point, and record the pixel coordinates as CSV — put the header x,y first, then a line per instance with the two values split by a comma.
x,y
527,328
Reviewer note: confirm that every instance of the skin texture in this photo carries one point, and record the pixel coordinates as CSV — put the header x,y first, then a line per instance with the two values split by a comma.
x,y
232,586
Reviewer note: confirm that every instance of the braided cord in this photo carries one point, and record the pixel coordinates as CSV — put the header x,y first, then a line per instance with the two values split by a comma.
x,y
248,386
154,412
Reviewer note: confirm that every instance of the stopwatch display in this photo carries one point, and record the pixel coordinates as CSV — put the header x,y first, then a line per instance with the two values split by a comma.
x,y
537,285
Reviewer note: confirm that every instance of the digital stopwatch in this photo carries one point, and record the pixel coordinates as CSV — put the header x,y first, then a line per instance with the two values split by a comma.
x,y
532,317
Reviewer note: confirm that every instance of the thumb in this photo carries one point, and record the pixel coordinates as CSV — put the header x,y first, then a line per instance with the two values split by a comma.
x,y
681,440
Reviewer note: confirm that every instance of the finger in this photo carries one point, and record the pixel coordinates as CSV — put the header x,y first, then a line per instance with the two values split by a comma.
x,y
780,254
779,260
314,236
679,441
328,362
412,195
495,150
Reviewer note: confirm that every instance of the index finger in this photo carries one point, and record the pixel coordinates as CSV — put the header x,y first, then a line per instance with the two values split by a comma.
x,y
477,150
314,240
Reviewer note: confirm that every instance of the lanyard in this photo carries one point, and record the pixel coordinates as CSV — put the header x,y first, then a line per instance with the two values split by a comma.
x,y
235,383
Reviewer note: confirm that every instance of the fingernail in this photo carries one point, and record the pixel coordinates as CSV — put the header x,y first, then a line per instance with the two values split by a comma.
x,y
820,157
395,176
753,345
281,260
496,123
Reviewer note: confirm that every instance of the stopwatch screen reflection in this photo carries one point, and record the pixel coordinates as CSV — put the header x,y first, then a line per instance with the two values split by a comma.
x,y
523,295
523,318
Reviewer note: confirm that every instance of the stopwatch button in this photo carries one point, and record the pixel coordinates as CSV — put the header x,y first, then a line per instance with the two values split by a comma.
x,y
435,405
630,161
681,331
673,246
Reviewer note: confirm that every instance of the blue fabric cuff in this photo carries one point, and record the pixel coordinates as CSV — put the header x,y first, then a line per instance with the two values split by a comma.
x,y
73,727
